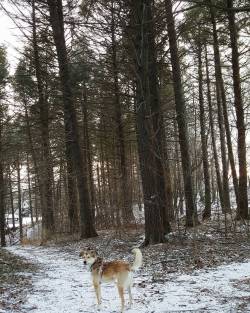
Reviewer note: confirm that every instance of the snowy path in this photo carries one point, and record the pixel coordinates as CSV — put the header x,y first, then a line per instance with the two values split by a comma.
x,y
64,286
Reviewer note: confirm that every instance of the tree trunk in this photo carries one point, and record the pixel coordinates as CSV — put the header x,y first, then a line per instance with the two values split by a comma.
x,y
87,148
71,128
48,221
207,211
213,137
19,192
158,134
32,150
2,205
242,210
29,191
127,212
11,200
223,120
168,182
148,121
72,195
191,212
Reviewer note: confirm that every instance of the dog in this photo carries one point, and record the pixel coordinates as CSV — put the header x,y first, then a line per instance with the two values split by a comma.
x,y
119,271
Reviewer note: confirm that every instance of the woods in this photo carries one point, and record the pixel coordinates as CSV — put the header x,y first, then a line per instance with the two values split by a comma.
x,y
119,114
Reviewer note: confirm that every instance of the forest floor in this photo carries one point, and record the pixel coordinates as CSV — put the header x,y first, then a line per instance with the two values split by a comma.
x,y
194,271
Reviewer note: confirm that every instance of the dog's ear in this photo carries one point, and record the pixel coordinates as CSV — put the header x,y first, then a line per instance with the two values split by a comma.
x,y
81,254
93,253
91,250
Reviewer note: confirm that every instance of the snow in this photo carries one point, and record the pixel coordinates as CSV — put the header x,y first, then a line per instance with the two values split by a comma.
x,y
63,285
214,290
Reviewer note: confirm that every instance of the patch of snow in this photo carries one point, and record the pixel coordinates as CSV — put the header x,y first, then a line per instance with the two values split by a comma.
x,y
64,286
212,290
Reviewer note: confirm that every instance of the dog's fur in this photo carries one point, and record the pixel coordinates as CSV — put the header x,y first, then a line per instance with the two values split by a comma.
x,y
119,271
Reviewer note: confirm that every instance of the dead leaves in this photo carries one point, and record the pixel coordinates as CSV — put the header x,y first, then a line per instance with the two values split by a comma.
x,y
14,280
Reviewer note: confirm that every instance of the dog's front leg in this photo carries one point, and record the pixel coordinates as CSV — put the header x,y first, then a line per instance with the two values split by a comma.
x,y
98,293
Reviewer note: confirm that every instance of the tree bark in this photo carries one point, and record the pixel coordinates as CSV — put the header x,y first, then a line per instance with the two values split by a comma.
x,y
207,211
11,199
71,128
30,192
127,212
19,193
72,195
148,121
223,120
2,205
87,148
242,210
213,137
191,211
46,172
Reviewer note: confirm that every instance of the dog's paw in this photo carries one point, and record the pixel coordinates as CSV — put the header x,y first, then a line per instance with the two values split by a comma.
x,y
99,307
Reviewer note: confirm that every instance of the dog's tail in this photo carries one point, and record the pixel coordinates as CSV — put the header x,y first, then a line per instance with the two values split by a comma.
x,y
138,259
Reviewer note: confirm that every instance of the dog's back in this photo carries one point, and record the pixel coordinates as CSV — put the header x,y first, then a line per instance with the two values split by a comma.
x,y
111,270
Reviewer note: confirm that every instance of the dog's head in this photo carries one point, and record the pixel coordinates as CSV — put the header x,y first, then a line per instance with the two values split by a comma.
x,y
89,256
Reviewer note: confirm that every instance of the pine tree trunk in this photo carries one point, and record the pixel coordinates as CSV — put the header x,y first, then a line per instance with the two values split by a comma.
x,y
33,154
213,137
157,122
126,210
19,193
191,212
87,148
2,205
242,210
30,192
168,184
36,201
48,221
11,199
149,125
72,196
99,195
71,128
223,120
207,211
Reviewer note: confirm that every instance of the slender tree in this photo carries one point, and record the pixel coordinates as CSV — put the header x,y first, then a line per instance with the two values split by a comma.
x,y
47,171
2,205
181,116
207,211
71,128
223,119
3,77
213,135
242,210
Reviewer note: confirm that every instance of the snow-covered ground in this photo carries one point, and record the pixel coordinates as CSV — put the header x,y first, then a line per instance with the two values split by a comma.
x,y
63,285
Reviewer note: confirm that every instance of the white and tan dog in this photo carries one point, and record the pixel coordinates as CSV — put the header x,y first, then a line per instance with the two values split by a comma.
x,y
119,271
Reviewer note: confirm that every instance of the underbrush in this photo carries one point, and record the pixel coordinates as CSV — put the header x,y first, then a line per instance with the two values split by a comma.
x,y
15,280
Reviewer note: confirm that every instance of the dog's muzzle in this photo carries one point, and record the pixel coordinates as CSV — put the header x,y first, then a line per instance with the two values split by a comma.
x,y
84,262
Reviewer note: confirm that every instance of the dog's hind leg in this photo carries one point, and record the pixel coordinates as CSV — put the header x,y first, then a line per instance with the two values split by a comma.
x,y
121,294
